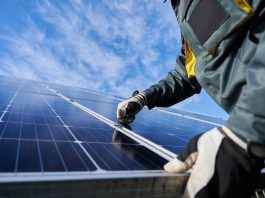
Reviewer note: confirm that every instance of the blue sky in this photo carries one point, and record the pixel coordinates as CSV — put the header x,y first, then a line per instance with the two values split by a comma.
x,y
111,46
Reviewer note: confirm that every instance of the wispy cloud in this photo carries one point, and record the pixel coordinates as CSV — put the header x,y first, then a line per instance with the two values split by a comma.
x,y
113,47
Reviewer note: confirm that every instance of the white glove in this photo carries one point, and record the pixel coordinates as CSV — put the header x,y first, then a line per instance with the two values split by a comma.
x,y
221,166
127,109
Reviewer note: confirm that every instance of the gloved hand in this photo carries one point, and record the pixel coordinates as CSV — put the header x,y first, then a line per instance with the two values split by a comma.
x,y
221,165
127,109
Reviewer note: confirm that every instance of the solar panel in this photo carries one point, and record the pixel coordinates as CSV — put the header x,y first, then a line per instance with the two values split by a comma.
x,y
77,141
52,132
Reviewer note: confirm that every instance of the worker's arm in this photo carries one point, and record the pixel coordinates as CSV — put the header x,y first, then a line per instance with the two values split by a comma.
x,y
174,88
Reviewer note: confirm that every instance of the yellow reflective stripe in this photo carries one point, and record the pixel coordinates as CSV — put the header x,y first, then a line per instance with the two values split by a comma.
x,y
243,4
190,61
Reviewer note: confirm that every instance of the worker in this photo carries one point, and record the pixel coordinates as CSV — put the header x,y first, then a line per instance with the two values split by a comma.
x,y
223,51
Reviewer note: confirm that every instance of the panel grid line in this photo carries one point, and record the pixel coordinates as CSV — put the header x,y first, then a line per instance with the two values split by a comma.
x,y
55,144
19,143
79,155
64,141
38,145
76,140
6,110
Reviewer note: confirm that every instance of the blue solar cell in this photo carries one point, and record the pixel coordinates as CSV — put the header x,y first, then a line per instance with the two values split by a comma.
x,y
39,119
12,117
60,133
50,157
43,132
12,130
8,153
28,118
80,122
28,131
85,159
108,110
28,157
93,134
2,128
84,134
5,98
52,120
71,158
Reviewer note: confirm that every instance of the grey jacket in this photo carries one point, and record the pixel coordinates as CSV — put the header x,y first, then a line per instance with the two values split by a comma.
x,y
227,40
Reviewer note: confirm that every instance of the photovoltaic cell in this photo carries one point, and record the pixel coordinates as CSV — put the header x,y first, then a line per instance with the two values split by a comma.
x,y
26,162
50,157
8,152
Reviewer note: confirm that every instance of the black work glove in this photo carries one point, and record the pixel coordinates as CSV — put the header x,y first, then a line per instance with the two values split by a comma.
x,y
127,109
221,166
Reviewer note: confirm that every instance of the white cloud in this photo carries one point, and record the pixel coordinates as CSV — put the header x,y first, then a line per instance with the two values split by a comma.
x,y
113,47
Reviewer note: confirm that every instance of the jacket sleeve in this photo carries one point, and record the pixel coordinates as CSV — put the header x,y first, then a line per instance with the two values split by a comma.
x,y
247,118
174,88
